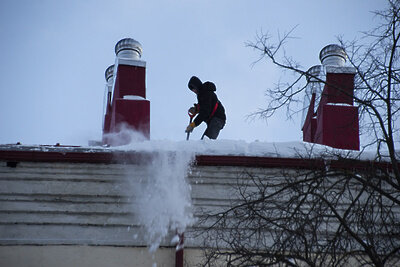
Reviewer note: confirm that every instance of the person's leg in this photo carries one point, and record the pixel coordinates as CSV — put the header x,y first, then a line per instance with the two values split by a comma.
x,y
214,127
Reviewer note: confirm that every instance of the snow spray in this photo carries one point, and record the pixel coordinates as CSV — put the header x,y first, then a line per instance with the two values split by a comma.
x,y
124,135
162,195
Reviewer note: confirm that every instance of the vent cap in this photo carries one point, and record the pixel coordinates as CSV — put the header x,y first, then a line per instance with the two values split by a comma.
x,y
128,48
333,55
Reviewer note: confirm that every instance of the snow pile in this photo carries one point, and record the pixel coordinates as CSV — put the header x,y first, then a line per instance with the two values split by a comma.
x,y
243,148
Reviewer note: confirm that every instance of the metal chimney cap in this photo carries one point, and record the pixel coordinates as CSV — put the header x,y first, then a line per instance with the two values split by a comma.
x,y
128,44
333,54
314,73
109,72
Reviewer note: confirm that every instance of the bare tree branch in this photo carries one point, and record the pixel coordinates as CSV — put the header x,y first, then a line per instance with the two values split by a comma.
x,y
323,216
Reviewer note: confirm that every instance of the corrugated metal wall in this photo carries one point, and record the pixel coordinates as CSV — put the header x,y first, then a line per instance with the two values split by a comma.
x,y
78,203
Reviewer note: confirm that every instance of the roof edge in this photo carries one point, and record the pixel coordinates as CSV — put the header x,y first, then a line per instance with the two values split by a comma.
x,y
133,157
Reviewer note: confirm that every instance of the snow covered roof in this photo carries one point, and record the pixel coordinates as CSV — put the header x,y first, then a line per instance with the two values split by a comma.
x,y
205,152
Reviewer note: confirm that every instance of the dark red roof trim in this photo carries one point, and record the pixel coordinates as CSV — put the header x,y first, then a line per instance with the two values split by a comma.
x,y
296,163
266,162
74,157
109,156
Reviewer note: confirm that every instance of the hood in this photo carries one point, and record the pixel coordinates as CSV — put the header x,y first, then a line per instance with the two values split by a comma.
x,y
195,82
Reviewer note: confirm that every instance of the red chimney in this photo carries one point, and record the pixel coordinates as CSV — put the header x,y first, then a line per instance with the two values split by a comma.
x,y
335,122
126,106
311,101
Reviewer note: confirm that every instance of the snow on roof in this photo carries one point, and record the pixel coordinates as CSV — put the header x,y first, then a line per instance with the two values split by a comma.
x,y
227,147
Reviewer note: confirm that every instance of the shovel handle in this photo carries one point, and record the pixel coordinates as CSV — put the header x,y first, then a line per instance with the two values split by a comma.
x,y
190,121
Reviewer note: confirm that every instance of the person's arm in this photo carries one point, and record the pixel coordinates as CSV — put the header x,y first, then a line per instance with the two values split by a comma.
x,y
206,106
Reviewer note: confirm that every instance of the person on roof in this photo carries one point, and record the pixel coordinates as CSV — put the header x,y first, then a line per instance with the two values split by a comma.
x,y
208,108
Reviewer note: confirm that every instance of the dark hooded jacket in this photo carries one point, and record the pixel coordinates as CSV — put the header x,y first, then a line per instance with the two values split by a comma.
x,y
207,101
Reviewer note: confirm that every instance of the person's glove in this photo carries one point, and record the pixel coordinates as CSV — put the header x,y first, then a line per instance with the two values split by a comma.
x,y
190,127
194,110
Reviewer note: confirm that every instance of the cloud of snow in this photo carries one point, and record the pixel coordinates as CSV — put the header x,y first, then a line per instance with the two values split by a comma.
x,y
161,193
125,135
163,196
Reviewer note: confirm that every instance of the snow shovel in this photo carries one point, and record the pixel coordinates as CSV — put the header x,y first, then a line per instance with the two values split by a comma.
x,y
190,121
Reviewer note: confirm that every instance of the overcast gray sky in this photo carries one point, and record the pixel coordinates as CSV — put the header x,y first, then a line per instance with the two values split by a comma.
x,y
54,54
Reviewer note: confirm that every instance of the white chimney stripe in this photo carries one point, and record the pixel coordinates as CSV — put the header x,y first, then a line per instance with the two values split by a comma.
x,y
333,69
131,62
133,97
